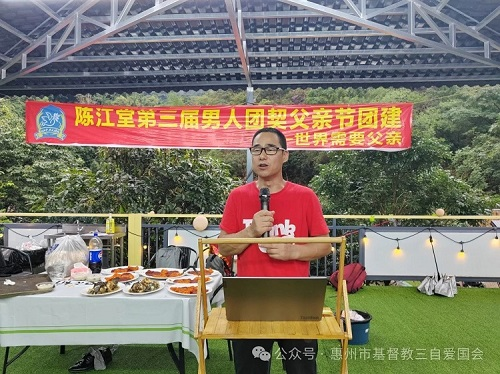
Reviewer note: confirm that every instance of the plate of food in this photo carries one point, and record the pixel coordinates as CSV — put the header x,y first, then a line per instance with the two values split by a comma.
x,y
162,274
45,286
122,277
103,288
122,269
208,271
185,290
145,286
188,280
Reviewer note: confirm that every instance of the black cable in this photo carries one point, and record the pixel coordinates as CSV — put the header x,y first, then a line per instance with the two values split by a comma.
x,y
398,239
461,241
33,236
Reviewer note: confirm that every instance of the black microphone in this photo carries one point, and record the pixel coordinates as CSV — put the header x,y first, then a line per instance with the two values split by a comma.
x,y
264,204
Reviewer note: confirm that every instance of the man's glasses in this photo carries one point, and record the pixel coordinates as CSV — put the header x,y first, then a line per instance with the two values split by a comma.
x,y
270,150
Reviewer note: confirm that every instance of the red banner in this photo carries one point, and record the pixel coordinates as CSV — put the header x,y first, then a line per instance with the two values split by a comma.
x,y
383,127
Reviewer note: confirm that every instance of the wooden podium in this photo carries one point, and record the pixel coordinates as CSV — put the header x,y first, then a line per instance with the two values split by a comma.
x,y
216,326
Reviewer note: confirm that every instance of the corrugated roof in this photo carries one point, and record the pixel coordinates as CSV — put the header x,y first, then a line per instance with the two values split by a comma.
x,y
58,46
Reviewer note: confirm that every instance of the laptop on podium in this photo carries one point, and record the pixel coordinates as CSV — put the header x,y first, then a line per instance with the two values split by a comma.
x,y
274,299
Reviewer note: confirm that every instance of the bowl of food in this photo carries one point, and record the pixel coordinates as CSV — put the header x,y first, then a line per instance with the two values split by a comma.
x,y
80,274
45,286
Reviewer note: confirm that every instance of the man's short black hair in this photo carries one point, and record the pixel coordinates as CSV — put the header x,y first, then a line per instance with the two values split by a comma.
x,y
281,136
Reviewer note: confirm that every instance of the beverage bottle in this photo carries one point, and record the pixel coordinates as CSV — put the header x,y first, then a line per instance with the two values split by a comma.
x,y
110,225
95,253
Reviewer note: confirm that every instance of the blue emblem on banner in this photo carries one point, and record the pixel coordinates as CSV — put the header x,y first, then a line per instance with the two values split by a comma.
x,y
51,123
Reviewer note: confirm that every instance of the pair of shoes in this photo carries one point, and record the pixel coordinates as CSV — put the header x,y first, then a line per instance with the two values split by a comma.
x,y
86,363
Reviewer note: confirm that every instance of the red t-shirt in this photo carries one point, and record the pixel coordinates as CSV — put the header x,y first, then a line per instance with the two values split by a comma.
x,y
297,214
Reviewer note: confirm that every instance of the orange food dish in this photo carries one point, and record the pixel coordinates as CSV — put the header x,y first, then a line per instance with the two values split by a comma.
x,y
122,277
125,269
190,290
163,273
191,280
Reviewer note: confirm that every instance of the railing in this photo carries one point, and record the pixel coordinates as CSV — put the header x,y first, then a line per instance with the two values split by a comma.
x,y
145,238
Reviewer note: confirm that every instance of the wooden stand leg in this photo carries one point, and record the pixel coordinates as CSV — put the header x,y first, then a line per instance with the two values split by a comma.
x,y
343,364
201,353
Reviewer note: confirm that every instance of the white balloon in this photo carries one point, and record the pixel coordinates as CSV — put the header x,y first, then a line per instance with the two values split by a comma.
x,y
440,212
200,223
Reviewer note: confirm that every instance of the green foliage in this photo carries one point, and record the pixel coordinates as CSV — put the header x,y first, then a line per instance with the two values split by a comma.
x,y
144,180
479,164
235,159
28,172
401,183
219,97
467,113
302,166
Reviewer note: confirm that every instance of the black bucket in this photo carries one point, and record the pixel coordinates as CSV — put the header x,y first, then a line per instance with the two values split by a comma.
x,y
360,329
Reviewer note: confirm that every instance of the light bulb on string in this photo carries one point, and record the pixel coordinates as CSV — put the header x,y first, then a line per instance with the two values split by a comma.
x,y
397,251
495,242
461,254
365,239
177,237
430,241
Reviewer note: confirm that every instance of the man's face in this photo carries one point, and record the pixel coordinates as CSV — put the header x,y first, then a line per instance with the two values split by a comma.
x,y
267,166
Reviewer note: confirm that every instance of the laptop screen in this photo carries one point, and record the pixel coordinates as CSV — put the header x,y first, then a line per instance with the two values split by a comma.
x,y
274,299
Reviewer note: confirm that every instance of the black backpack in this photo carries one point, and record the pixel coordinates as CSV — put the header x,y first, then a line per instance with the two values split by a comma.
x,y
217,263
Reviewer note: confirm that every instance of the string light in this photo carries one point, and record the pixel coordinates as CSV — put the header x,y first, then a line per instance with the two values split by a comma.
x,y
397,252
461,254
495,242
177,237
365,239
431,239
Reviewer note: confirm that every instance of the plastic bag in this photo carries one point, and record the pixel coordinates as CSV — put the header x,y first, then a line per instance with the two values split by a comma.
x,y
30,245
68,250
446,286
428,285
10,262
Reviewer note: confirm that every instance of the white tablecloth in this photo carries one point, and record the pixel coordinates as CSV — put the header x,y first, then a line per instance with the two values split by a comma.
x,y
66,317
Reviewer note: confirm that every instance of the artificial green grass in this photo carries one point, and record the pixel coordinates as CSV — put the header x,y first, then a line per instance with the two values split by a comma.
x,y
443,335
409,333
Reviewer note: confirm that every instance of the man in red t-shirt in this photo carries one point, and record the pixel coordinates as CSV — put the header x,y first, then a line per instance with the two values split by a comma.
x,y
295,212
